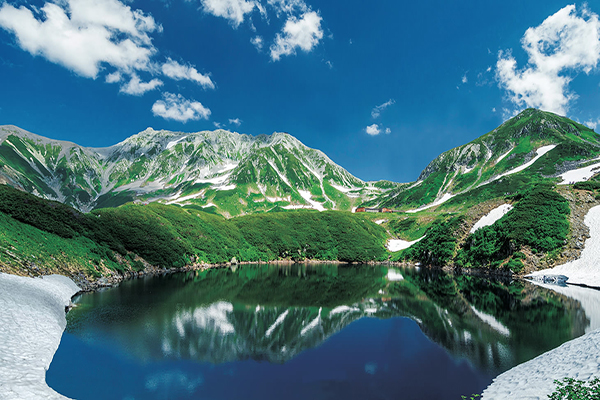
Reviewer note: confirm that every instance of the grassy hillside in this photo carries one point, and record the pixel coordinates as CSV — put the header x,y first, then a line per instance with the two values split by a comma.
x,y
49,234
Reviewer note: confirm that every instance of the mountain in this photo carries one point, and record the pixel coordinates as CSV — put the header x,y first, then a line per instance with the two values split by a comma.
x,y
221,171
539,145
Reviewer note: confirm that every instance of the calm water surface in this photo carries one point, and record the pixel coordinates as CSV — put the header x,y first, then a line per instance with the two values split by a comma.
x,y
300,332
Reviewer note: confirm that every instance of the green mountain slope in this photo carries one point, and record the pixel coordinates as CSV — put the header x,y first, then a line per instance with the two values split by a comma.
x,y
228,173
532,147
38,236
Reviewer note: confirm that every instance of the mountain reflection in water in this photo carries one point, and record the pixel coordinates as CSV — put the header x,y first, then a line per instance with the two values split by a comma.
x,y
275,313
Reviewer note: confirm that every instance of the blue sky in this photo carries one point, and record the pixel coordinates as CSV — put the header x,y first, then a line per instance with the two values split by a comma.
x,y
381,87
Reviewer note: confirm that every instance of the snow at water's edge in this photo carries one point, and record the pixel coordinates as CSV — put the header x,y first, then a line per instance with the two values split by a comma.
x,y
32,312
534,380
586,269
579,358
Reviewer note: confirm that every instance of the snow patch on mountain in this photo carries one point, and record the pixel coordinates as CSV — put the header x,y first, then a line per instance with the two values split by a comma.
x,y
491,217
580,174
394,245
443,199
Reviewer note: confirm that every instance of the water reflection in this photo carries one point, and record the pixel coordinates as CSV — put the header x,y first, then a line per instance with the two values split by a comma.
x,y
274,313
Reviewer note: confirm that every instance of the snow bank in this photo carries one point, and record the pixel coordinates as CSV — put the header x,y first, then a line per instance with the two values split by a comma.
x,y
534,380
32,311
539,153
492,217
586,269
588,298
579,175
443,199
394,245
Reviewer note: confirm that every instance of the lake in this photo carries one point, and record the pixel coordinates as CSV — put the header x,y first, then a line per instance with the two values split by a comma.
x,y
309,331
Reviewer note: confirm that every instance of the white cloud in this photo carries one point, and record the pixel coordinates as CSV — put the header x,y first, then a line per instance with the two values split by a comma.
x,y
82,35
376,112
329,64
494,109
592,124
304,33
114,77
464,78
178,108
388,131
235,121
289,7
373,130
233,10
258,42
177,71
564,44
218,125
136,87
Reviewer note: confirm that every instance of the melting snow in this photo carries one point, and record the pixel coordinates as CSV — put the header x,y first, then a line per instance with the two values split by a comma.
x,y
306,196
492,217
503,155
579,175
173,143
467,170
586,269
534,380
540,152
443,199
394,245
32,311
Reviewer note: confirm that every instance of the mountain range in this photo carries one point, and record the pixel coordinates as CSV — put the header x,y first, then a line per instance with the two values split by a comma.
x,y
220,171
235,174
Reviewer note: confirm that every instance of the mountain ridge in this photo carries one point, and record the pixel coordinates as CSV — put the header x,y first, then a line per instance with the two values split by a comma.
x,y
152,165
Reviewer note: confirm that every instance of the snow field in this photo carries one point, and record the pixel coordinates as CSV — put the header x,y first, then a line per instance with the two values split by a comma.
x,y
585,270
492,217
394,245
32,311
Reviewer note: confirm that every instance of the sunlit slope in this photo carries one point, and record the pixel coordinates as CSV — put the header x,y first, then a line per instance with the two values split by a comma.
x,y
532,147
39,237
226,172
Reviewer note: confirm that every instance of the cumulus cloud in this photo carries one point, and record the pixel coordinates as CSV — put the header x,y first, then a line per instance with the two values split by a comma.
x,y
593,124
464,78
376,111
81,35
178,108
177,71
565,44
388,131
233,10
258,42
235,121
373,130
114,77
136,87
303,33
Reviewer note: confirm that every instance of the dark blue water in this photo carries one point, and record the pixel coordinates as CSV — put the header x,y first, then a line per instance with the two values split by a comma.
x,y
370,359
303,333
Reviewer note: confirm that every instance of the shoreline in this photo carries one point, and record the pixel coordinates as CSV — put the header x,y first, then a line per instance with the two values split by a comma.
x,y
34,319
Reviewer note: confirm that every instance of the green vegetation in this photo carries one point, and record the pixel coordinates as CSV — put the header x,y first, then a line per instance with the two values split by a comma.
x,y
172,236
437,248
571,389
539,221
